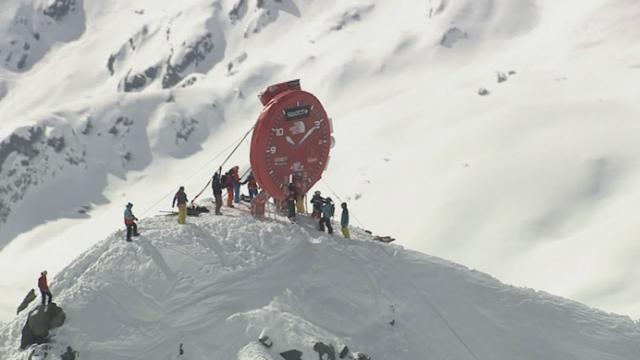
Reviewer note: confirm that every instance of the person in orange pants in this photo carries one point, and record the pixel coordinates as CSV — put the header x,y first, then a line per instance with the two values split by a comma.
x,y
232,178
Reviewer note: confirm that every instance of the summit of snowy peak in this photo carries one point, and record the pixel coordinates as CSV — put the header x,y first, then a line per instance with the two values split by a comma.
x,y
215,285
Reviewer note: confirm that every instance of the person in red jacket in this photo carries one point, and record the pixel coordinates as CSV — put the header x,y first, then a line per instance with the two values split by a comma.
x,y
252,186
44,287
232,179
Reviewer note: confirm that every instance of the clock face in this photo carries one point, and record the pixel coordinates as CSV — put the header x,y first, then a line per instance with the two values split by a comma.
x,y
291,142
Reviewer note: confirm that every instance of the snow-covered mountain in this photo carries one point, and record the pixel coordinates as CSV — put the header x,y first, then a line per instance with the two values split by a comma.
x,y
535,183
218,283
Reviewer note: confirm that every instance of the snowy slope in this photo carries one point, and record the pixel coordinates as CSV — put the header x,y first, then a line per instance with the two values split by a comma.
x,y
217,283
108,102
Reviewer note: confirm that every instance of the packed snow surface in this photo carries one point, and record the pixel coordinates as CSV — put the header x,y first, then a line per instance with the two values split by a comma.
x,y
536,183
218,283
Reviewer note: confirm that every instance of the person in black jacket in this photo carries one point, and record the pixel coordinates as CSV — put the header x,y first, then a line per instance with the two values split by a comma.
x,y
317,201
216,186
181,199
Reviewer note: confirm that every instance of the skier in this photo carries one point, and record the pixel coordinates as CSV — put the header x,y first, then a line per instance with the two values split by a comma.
x,y
231,178
292,195
181,199
344,221
44,287
252,186
327,213
130,222
317,201
236,184
216,186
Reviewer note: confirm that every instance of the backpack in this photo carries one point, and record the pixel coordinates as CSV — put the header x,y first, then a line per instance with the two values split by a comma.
x,y
223,179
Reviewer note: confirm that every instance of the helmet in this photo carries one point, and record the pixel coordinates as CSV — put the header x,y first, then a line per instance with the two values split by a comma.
x,y
317,192
328,199
129,204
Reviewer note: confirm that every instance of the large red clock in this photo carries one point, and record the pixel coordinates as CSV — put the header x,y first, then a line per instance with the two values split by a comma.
x,y
291,140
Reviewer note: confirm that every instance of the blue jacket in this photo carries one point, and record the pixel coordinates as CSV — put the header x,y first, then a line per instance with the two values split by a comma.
x,y
128,214
328,210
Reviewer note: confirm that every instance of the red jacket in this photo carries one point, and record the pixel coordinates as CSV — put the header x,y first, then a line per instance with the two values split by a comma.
x,y
42,283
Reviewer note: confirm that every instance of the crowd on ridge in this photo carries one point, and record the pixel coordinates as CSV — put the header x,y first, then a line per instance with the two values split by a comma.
x,y
231,181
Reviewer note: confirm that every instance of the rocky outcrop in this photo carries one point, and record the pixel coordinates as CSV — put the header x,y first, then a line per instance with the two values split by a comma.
x,y
192,55
27,159
35,29
31,295
39,323
60,8
452,36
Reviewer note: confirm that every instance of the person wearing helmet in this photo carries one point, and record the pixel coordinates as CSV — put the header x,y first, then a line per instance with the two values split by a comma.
x,y
327,213
130,222
344,221
181,198
317,201
44,288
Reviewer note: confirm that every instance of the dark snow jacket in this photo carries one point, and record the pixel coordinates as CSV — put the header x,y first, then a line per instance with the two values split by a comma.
x,y
344,219
216,185
180,198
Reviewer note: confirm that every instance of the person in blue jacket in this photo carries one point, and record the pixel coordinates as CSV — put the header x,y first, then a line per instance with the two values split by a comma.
x,y
327,213
130,222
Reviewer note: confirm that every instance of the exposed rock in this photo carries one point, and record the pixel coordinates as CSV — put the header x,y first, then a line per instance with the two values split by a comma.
x,y
361,356
110,64
122,124
238,11
185,129
352,16
344,352
483,92
193,56
501,77
292,355
323,349
39,323
70,354
60,9
436,7
452,36
266,341
22,145
31,295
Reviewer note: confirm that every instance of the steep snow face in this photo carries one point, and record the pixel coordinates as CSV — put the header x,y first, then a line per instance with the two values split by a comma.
x,y
114,97
216,284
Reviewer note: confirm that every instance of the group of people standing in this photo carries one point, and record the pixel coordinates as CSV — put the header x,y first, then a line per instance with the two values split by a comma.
x,y
324,209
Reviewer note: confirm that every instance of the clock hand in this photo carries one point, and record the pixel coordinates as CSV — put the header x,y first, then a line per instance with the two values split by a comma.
x,y
290,141
307,135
